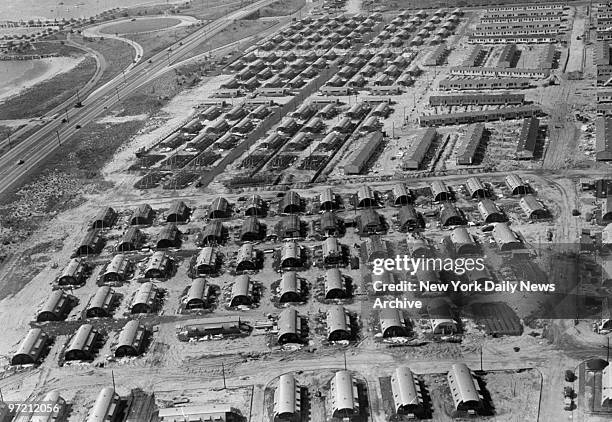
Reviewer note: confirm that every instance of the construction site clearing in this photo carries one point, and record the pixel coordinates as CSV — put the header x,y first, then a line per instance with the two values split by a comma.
x,y
227,274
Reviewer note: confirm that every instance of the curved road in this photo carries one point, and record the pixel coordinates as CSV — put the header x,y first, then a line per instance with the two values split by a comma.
x,y
41,144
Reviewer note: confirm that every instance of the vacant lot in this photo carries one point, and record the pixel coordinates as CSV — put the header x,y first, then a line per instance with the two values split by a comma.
x,y
140,25
282,8
117,54
238,31
154,42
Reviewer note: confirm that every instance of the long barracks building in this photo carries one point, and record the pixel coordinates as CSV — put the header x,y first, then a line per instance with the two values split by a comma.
x,y
461,84
476,99
499,72
506,113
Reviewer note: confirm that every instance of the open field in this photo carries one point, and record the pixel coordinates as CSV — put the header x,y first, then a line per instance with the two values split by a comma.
x,y
117,55
141,25
282,8
154,42
238,31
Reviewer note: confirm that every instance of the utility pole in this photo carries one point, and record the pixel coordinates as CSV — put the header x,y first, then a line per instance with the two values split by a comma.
x,y
480,358
223,371
113,377
345,360
117,91
608,351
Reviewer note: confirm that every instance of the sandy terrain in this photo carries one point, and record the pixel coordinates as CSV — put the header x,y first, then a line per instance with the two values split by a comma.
x,y
53,66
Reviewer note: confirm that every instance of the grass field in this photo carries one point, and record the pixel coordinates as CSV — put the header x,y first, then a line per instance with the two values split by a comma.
x,y
118,55
140,25
282,8
51,47
239,30
200,9
36,101
154,42
150,97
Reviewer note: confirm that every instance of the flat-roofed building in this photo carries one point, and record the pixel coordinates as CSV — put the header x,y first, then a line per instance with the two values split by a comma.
x,y
603,133
464,388
528,138
407,396
364,153
417,150
32,348
470,144
204,413
344,396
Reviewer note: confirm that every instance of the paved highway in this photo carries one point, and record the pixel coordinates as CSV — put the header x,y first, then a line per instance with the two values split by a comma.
x,y
41,144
